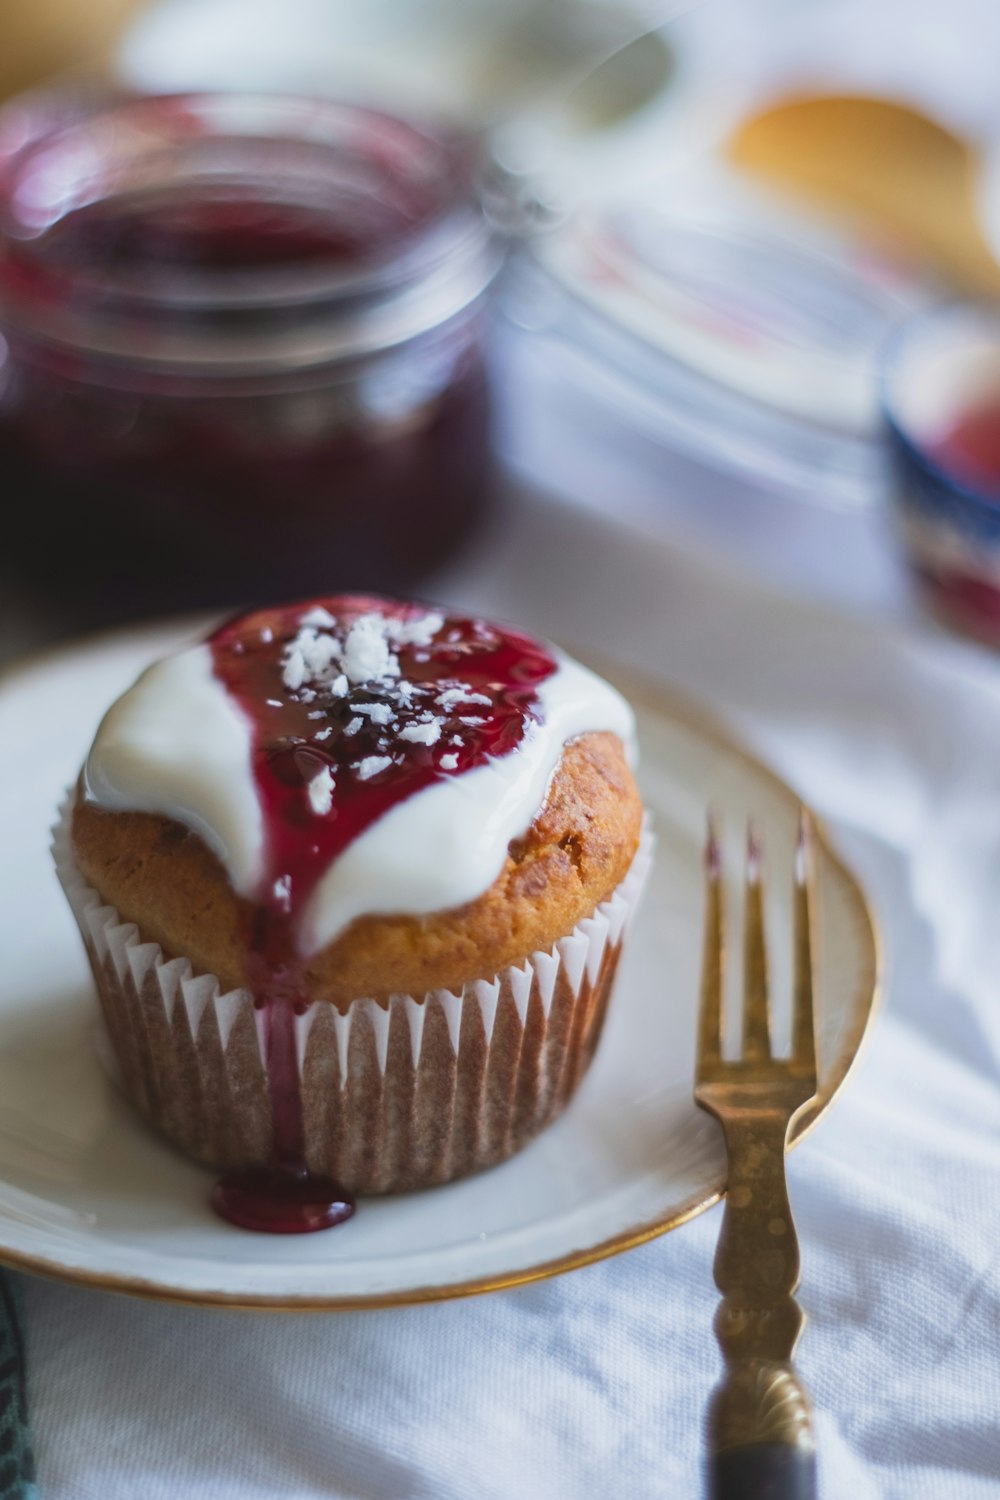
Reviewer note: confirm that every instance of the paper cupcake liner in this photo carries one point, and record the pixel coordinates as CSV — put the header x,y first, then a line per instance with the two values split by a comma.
x,y
394,1096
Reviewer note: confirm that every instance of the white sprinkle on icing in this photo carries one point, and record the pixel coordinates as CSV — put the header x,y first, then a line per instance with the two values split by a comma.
x,y
318,617
419,632
282,889
267,635
379,713
319,653
366,651
371,766
321,792
274,703
453,696
421,734
448,762
322,662
294,672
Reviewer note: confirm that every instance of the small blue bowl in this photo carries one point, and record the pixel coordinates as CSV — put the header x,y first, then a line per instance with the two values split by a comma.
x,y
936,368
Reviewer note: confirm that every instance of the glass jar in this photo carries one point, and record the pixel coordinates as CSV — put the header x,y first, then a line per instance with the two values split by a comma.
x,y
242,351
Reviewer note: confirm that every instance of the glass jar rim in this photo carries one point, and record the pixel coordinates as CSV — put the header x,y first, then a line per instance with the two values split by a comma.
x,y
59,153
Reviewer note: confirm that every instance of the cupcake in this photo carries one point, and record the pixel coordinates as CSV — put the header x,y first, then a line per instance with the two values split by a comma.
x,y
353,876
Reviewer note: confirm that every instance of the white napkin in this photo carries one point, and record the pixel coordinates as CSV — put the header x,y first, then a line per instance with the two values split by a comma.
x,y
595,1384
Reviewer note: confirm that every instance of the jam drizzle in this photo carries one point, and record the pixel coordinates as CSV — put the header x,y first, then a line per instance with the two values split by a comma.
x,y
356,703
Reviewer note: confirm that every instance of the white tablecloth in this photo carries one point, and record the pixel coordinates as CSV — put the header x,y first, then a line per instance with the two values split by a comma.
x,y
595,1384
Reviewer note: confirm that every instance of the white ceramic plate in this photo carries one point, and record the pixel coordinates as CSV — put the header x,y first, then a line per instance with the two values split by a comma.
x,y
87,1193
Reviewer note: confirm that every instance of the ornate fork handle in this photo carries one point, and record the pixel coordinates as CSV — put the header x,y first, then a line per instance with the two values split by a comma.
x,y
760,1424
760,1429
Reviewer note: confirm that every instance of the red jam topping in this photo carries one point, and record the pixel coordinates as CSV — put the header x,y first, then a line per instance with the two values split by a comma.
x,y
971,448
355,704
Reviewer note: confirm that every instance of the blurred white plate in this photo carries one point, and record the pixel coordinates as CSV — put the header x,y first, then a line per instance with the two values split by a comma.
x,y
88,1194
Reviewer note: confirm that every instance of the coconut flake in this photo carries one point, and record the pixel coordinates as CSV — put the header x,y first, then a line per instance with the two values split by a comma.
x,y
451,697
320,652
371,766
294,672
379,713
321,792
421,734
419,632
366,654
317,616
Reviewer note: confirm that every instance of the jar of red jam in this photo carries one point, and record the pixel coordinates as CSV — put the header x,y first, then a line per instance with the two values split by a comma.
x,y
241,349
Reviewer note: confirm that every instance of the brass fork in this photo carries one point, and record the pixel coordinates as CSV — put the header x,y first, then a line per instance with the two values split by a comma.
x,y
760,1427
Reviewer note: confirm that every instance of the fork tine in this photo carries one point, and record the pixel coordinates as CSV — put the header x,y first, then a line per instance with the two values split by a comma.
x,y
756,1021
713,959
803,1036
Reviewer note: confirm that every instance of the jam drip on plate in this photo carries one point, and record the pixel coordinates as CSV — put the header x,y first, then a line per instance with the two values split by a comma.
x,y
356,704
281,1202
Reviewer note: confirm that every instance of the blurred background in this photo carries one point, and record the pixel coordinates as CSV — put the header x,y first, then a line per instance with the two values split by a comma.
x,y
370,276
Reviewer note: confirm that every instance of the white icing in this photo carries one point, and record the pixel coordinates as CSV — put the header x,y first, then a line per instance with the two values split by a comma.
x,y
447,844
176,744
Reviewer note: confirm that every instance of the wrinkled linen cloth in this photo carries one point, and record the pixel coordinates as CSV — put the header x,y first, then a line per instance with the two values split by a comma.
x,y
596,1383
17,1460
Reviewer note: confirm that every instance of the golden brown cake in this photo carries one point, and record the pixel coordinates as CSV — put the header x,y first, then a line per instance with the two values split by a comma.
x,y
353,877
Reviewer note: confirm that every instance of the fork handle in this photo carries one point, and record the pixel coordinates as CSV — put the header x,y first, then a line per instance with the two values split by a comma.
x,y
761,1434
769,1471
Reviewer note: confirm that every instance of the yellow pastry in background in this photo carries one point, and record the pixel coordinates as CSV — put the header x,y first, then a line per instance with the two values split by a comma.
x,y
43,39
884,163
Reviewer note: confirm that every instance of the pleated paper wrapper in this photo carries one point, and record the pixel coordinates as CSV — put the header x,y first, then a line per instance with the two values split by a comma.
x,y
395,1096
